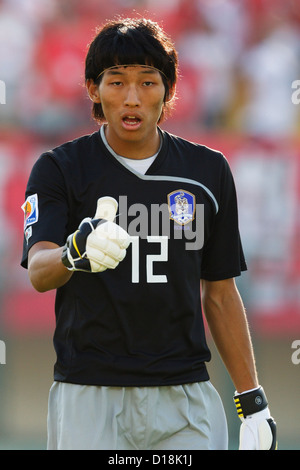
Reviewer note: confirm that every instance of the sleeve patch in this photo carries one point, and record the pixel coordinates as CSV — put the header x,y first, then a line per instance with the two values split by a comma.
x,y
31,210
28,233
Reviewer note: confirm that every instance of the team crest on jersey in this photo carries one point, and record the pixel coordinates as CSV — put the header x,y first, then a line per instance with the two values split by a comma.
x,y
31,211
181,206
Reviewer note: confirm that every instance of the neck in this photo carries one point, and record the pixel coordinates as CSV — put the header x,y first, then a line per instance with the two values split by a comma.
x,y
134,149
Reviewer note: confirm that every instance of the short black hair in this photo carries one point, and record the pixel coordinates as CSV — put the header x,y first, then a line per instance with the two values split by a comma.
x,y
132,41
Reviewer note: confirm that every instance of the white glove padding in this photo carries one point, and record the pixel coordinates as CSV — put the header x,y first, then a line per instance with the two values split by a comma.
x,y
106,246
257,431
98,243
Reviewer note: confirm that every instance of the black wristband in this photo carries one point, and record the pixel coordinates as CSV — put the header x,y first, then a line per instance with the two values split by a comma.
x,y
250,402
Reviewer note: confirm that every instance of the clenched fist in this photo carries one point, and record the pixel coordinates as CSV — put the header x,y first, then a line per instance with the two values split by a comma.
x,y
99,243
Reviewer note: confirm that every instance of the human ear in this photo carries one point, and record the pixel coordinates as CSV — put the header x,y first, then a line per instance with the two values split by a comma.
x,y
170,94
93,91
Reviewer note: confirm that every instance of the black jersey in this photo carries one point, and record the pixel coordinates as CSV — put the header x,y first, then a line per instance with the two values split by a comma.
x,y
140,324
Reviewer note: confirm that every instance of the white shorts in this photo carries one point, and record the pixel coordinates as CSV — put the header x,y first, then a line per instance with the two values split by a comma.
x,y
189,417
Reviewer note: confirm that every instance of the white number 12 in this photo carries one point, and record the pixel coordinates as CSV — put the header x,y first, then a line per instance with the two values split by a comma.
x,y
150,259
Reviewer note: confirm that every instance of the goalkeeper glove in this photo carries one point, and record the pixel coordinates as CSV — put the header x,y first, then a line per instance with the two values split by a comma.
x,y
99,243
258,428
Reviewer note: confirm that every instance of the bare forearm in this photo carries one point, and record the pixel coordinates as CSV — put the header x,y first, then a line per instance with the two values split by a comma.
x,y
45,269
229,328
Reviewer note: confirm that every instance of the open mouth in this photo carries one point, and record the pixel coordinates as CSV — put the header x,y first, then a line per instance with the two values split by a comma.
x,y
131,121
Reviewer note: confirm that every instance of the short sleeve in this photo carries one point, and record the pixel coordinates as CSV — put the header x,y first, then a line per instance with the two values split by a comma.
x,y
223,255
45,207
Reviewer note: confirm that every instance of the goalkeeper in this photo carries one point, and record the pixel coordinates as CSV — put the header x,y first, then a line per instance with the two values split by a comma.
x,y
131,354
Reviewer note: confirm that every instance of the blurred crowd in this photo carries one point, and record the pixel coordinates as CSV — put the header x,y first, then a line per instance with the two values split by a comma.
x,y
238,60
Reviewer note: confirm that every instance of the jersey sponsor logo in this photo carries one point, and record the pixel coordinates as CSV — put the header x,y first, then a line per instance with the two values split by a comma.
x,y
181,206
31,211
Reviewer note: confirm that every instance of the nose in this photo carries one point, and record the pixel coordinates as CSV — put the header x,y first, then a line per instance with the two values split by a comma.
x,y
132,98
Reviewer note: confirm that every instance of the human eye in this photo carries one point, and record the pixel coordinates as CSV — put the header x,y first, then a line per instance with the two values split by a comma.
x,y
148,84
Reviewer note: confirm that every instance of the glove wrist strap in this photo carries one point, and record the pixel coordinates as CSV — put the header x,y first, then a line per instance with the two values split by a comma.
x,y
64,257
250,402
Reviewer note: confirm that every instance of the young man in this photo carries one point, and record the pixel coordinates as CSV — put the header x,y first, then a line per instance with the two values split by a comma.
x,y
130,342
